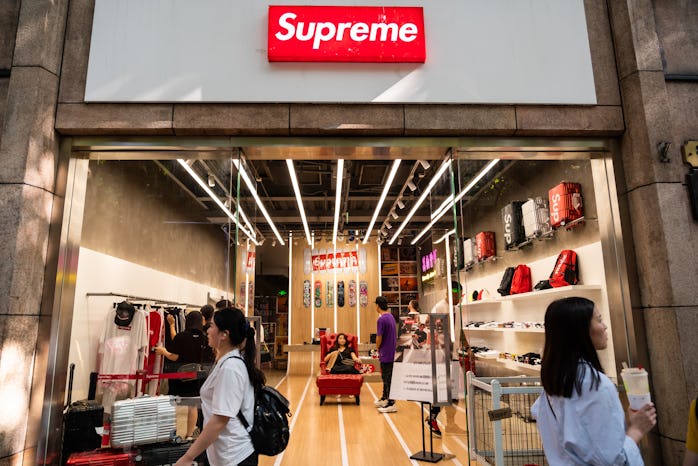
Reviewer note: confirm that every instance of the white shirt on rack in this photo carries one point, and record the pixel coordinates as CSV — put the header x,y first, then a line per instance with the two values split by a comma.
x,y
120,345
226,392
586,429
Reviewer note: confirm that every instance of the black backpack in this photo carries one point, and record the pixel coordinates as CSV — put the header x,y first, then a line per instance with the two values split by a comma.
x,y
270,432
505,286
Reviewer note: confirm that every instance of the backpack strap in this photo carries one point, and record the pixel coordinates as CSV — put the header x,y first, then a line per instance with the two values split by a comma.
x,y
244,422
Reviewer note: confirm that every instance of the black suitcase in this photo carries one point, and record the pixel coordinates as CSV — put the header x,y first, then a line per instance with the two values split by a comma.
x,y
165,454
79,422
512,217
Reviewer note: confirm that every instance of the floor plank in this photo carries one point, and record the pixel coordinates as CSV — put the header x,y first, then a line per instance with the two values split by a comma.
x,y
369,436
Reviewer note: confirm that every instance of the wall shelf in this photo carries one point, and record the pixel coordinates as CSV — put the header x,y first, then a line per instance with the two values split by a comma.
x,y
550,293
504,329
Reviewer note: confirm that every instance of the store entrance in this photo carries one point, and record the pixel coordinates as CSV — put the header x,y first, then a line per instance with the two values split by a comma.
x,y
303,236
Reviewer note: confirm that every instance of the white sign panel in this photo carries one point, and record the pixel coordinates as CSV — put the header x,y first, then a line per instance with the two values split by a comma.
x,y
494,51
412,381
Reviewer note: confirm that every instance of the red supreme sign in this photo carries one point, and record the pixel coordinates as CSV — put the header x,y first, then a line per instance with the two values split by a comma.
x,y
346,34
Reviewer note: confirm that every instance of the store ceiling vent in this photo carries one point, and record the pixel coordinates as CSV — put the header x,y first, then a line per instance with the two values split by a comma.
x,y
372,175
309,177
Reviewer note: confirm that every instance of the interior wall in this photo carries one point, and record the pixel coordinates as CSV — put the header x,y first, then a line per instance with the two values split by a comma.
x,y
302,326
525,180
133,211
98,273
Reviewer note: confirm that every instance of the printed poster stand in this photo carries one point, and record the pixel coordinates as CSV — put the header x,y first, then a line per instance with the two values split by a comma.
x,y
422,372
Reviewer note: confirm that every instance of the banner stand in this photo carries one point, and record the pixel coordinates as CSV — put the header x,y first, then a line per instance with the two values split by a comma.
x,y
428,456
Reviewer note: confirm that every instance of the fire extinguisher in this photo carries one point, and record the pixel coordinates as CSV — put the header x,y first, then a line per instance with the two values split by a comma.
x,y
106,434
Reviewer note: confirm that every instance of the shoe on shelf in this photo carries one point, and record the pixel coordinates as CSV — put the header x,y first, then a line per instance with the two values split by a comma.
x,y
433,426
382,403
196,432
388,409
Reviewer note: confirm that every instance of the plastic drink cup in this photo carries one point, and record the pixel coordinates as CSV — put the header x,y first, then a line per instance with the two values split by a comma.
x,y
637,387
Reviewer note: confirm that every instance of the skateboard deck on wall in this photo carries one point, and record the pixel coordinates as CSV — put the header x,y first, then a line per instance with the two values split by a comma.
x,y
329,301
352,293
363,292
318,293
306,293
340,294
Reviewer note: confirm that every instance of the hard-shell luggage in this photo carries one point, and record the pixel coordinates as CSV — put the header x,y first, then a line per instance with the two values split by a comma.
x,y
513,225
143,420
565,203
468,253
536,218
103,457
486,247
165,454
80,420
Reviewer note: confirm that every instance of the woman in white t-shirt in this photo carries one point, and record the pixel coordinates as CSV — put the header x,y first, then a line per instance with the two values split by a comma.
x,y
228,390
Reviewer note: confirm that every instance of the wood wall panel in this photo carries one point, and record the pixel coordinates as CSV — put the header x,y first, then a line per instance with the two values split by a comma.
x,y
301,327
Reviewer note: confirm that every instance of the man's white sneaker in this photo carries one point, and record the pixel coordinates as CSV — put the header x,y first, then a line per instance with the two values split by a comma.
x,y
388,409
381,403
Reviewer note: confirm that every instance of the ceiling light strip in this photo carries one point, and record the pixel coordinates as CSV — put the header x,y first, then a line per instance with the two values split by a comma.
x,y
444,205
337,200
215,198
460,196
299,200
446,235
384,194
253,191
444,166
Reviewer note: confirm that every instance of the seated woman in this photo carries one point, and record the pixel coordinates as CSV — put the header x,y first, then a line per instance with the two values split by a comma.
x,y
340,359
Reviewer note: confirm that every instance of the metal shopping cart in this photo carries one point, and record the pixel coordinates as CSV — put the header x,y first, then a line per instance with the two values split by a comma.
x,y
501,429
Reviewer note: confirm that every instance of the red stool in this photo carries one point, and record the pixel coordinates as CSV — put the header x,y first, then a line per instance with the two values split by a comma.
x,y
339,384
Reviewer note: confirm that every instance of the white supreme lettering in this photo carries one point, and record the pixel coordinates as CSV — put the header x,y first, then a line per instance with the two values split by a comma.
x,y
321,32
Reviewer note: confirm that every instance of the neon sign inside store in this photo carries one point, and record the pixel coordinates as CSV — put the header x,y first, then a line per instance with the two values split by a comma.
x,y
428,264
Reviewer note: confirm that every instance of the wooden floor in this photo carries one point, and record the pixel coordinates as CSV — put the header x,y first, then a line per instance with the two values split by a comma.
x,y
342,433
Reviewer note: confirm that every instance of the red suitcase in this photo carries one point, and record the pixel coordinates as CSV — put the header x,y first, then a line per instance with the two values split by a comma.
x,y
103,457
565,201
485,245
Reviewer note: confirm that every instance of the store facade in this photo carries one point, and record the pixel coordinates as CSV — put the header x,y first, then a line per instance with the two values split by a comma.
x,y
86,120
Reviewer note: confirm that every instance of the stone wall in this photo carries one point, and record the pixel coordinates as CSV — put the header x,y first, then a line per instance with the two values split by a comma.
x,y
655,40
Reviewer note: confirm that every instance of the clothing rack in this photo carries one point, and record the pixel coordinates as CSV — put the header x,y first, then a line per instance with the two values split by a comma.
x,y
142,298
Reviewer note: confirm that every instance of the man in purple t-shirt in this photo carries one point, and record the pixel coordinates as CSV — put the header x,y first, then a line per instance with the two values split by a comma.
x,y
386,340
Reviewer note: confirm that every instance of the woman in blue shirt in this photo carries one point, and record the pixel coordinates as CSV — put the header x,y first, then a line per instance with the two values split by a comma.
x,y
579,415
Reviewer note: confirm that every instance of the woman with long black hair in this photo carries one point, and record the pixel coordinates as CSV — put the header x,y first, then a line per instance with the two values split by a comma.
x,y
230,388
579,415
341,358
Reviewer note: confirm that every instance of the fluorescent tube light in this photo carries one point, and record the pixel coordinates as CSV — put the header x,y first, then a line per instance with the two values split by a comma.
x,y
338,199
460,196
215,198
444,166
391,176
253,191
299,200
446,235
